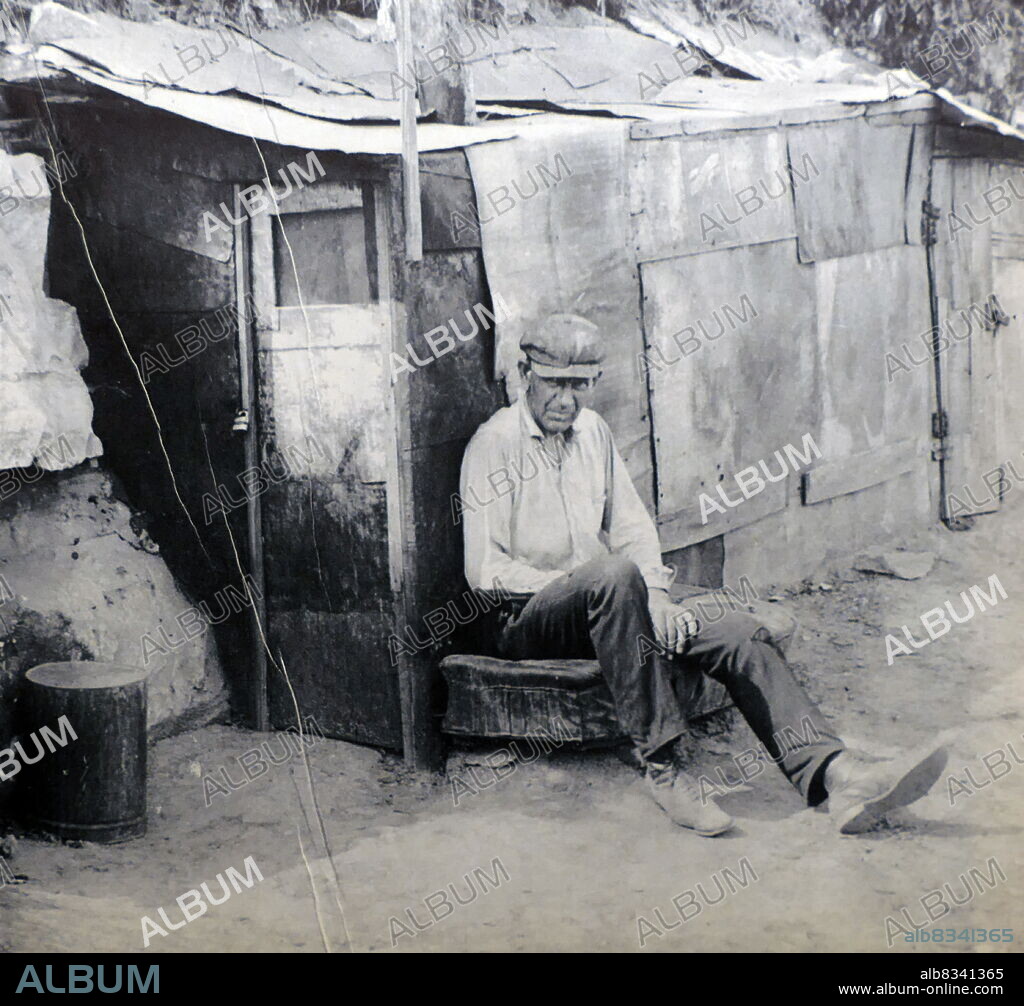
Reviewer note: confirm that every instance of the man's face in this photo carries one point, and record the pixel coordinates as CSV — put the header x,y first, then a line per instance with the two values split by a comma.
x,y
555,402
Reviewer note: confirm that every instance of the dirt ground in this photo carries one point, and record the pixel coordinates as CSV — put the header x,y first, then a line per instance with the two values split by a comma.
x,y
582,852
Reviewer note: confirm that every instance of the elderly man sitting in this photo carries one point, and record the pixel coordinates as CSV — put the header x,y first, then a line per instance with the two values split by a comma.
x,y
573,540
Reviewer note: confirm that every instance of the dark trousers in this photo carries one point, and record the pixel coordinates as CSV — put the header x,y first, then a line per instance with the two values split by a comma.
x,y
600,610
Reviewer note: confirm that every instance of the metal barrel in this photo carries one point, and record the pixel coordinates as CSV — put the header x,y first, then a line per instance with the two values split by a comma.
x,y
85,732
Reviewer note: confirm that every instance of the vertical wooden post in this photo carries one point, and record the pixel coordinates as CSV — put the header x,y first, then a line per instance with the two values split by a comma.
x,y
259,712
410,152
446,86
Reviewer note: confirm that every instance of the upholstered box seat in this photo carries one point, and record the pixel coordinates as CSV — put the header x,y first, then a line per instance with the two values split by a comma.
x,y
493,698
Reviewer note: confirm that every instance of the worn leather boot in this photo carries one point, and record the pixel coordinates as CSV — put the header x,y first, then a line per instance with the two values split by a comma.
x,y
678,794
862,791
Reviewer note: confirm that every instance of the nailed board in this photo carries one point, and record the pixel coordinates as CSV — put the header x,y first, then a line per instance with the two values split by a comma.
x,y
963,251
970,375
851,474
742,395
970,250
854,197
696,195
305,381
354,677
1008,223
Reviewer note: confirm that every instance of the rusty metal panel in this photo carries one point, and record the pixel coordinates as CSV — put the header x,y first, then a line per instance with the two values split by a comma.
x,y
455,392
749,387
696,195
185,211
854,197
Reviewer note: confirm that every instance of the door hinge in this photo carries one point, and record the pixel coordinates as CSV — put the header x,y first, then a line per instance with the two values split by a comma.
x,y
940,425
930,214
995,315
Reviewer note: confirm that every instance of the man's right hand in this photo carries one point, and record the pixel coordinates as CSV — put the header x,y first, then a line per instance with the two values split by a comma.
x,y
674,626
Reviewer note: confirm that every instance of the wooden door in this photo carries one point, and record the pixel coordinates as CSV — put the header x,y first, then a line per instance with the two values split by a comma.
x,y
326,434
968,376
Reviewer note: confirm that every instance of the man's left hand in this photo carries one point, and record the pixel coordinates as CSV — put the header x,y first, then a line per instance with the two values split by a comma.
x,y
674,626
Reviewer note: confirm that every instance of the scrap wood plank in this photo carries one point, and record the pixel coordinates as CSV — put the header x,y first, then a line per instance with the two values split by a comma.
x,y
968,232
869,468
687,527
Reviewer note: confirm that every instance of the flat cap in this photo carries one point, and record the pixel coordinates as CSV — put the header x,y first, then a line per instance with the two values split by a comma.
x,y
564,345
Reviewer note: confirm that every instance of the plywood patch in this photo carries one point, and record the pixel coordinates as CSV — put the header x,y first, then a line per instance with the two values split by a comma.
x,y
693,195
854,197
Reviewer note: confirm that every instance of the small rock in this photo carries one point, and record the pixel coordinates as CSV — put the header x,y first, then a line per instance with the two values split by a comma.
x,y
8,846
904,565
556,778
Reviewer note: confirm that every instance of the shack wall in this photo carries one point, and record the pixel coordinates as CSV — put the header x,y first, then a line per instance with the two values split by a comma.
x,y
754,250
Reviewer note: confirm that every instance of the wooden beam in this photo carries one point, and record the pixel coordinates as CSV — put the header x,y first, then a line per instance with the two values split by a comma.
x,y
410,151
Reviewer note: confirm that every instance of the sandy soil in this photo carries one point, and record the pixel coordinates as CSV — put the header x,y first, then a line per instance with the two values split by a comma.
x,y
582,852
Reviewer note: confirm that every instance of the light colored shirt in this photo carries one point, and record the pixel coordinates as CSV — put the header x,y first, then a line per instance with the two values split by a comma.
x,y
534,508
